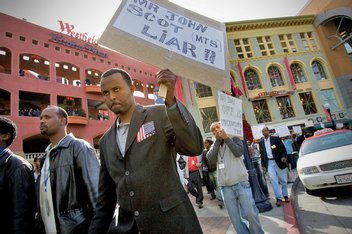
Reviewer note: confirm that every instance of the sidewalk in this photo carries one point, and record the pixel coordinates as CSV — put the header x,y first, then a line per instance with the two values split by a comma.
x,y
278,220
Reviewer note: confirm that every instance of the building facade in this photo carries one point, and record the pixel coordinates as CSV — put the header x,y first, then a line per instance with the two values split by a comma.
x,y
41,67
280,67
333,23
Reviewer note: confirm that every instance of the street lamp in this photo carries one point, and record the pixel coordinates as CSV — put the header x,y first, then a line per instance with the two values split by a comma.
x,y
328,114
261,201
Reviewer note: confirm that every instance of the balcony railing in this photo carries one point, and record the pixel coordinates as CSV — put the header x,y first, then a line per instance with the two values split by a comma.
x,y
77,120
92,89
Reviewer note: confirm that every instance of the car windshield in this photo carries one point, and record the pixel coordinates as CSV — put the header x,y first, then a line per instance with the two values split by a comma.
x,y
326,142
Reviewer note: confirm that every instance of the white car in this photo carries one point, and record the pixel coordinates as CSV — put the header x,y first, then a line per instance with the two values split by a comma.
x,y
325,161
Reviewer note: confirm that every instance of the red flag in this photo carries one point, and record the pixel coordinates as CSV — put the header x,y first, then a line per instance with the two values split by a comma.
x,y
292,81
242,78
238,91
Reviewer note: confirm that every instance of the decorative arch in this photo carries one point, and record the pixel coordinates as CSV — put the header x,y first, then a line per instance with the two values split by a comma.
x,y
342,19
34,66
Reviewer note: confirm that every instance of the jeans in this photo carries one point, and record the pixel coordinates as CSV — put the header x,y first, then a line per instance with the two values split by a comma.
x,y
213,179
241,207
278,175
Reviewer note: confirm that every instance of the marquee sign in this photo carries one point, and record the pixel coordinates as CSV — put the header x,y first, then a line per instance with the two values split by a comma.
x,y
85,47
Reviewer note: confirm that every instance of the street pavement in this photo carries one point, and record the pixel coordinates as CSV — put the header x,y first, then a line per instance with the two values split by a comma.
x,y
278,220
329,214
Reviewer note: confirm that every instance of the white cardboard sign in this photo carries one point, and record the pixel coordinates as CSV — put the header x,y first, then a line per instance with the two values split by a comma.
x,y
257,131
230,110
166,35
297,129
282,131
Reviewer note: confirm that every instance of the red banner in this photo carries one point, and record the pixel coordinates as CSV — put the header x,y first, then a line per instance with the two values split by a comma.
x,y
242,78
292,81
179,90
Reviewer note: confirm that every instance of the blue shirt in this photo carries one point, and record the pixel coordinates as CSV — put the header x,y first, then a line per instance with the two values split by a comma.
x,y
288,145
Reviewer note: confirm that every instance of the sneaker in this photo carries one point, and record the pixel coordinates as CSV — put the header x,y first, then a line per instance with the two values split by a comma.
x,y
287,200
200,206
279,202
213,197
221,204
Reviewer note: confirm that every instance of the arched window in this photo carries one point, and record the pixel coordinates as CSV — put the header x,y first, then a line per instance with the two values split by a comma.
x,y
298,73
5,60
319,71
252,79
275,76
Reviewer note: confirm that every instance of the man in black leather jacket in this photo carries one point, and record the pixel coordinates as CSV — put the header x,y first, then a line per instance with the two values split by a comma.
x,y
69,177
17,196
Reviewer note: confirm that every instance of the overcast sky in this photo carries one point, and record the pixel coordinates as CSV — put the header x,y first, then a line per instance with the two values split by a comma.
x,y
92,16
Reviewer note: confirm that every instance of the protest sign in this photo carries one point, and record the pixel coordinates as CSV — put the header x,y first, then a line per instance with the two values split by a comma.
x,y
297,129
257,131
166,35
282,131
230,110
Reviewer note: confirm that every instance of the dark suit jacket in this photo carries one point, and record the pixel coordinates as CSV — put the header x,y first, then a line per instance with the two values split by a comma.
x,y
278,149
145,182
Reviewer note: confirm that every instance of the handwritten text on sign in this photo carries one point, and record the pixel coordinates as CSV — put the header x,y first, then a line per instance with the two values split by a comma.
x,y
230,109
172,31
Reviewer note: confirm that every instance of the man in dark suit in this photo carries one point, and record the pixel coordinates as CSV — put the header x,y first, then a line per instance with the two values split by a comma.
x,y
138,155
273,159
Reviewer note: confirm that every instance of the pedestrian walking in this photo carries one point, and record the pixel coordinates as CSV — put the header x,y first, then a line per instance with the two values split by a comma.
x,y
194,185
69,177
233,179
273,160
138,160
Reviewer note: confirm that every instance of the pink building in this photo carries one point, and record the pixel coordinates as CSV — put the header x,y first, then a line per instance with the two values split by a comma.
x,y
41,67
